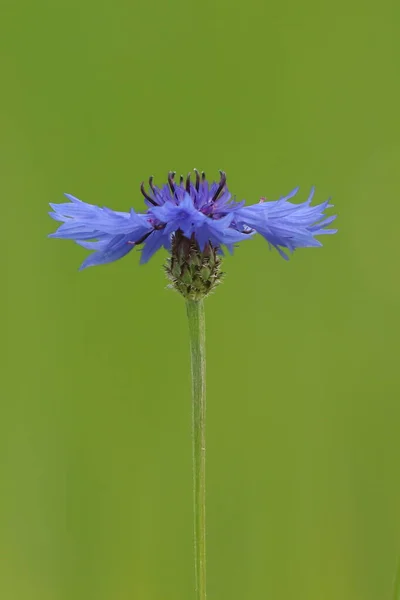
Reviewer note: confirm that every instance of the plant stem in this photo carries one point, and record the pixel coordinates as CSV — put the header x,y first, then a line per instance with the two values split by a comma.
x,y
195,313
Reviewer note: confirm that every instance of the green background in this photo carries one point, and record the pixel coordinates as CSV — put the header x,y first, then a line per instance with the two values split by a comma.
x,y
303,382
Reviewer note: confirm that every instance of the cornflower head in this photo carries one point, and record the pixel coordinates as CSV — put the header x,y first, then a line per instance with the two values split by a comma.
x,y
194,221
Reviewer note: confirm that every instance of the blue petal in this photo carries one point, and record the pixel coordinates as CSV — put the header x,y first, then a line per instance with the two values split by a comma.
x,y
290,194
101,219
287,225
73,199
115,250
154,242
99,245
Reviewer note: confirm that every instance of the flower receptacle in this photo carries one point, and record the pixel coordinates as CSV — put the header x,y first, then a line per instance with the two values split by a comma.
x,y
192,272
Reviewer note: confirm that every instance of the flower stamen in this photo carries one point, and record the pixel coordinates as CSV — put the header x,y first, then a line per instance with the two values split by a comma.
x,y
142,239
151,178
146,195
197,179
221,186
188,183
171,181
146,235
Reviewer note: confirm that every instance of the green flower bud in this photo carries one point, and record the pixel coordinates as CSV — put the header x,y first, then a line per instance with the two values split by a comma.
x,y
192,272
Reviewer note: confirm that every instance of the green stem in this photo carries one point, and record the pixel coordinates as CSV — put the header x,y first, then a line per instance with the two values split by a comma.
x,y
195,313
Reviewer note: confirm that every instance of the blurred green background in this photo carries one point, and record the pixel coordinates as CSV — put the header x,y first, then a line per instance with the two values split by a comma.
x,y
303,379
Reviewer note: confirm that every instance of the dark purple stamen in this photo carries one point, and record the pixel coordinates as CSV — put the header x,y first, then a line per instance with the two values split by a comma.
x,y
146,235
151,184
146,195
142,239
197,179
171,182
221,186
188,183
203,176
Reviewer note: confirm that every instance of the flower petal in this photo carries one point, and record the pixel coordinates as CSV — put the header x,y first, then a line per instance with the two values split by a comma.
x,y
154,242
115,249
287,225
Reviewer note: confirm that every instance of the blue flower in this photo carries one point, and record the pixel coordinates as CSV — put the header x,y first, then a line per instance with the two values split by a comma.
x,y
201,212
